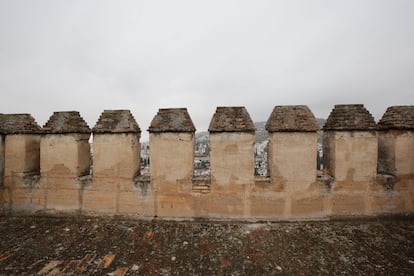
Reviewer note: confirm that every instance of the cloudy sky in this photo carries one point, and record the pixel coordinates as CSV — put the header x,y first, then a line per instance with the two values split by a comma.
x,y
143,55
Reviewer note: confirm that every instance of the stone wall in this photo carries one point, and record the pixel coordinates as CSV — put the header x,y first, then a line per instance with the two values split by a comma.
x,y
369,167
116,164
172,144
292,145
21,162
396,141
1,159
231,143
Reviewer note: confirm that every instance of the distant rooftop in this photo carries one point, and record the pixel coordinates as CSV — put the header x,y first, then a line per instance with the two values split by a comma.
x,y
291,118
172,120
66,122
116,121
398,117
231,119
350,117
18,124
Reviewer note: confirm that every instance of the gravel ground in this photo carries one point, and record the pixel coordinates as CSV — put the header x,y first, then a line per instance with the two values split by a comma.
x,y
120,246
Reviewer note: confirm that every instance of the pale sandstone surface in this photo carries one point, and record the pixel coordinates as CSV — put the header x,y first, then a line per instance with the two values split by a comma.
x,y
63,158
231,159
21,154
352,155
172,160
292,157
116,155
65,154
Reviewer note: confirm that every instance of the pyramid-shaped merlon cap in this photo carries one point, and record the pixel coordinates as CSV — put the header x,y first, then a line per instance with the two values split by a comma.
x,y
116,121
231,119
18,124
348,117
66,122
398,117
172,120
292,118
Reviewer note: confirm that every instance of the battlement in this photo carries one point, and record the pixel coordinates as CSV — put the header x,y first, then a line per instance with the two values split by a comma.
x,y
368,167
398,117
231,119
116,121
66,122
350,117
18,124
172,120
292,118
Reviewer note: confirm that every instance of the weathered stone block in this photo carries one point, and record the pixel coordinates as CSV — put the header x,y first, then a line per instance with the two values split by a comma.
x,y
387,202
28,199
22,154
353,186
116,147
396,152
136,204
63,200
101,201
386,153
171,159
231,158
65,150
270,206
116,155
227,205
292,156
101,195
350,143
231,147
404,154
308,205
2,140
65,154
24,191
346,204
352,156
62,193
21,172
175,205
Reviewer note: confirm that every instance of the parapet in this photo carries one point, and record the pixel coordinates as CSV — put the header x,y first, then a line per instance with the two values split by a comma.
x,y
18,124
365,172
398,117
66,122
172,120
231,119
292,118
348,117
116,121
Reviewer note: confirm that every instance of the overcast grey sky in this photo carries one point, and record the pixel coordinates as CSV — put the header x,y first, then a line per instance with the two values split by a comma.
x,y
143,55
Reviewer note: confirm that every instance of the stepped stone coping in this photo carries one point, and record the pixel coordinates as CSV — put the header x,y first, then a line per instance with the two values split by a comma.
x,y
348,117
66,122
398,117
292,118
172,120
18,124
116,121
231,119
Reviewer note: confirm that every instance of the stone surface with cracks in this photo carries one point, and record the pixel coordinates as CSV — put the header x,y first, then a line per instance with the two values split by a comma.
x,y
120,246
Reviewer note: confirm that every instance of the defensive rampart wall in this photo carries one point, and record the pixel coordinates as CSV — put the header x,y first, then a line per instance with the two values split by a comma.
x,y
369,167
